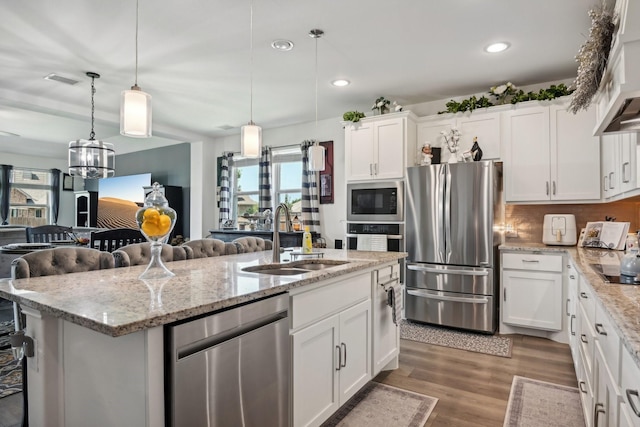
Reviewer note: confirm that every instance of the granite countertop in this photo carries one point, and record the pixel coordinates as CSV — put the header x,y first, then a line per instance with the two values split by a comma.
x,y
621,302
115,302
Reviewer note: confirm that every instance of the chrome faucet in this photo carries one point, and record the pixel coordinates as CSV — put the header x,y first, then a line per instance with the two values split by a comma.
x,y
276,229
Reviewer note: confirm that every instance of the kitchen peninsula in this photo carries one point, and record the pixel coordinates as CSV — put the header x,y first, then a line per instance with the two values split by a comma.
x,y
100,336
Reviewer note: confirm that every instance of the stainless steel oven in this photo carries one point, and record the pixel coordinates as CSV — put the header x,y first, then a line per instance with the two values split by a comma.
x,y
375,201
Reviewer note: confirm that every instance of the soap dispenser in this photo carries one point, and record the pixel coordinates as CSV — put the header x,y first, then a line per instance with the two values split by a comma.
x,y
307,245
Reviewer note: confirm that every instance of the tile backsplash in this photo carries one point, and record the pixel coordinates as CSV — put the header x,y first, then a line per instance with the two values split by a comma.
x,y
526,221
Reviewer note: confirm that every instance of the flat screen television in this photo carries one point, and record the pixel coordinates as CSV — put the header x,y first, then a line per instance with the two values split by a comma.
x,y
119,198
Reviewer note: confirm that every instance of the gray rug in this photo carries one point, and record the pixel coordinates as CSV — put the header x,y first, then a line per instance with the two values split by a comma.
x,y
10,369
494,345
535,403
381,405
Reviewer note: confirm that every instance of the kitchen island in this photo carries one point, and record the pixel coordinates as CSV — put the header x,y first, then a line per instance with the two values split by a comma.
x,y
99,336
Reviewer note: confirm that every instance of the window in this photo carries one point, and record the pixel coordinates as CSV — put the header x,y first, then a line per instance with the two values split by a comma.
x,y
286,183
30,199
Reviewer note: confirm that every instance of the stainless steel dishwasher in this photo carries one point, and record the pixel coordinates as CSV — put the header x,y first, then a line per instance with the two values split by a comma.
x,y
231,368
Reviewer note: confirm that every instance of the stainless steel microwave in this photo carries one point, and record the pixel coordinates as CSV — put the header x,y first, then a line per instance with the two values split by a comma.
x,y
375,201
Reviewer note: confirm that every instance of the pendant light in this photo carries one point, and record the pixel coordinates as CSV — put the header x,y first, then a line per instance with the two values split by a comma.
x,y
316,151
91,158
251,134
135,105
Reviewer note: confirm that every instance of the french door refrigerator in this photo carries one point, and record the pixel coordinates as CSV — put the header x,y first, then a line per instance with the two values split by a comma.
x,y
452,266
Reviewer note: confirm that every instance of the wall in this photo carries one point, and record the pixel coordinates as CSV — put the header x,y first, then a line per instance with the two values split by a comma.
x,y
67,200
528,219
168,165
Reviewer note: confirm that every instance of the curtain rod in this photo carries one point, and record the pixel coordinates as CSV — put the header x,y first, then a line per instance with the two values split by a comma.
x,y
273,148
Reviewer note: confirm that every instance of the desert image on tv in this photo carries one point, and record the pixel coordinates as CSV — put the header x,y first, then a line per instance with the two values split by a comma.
x,y
117,213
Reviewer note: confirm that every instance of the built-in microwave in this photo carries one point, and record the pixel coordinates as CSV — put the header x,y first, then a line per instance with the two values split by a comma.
x,y
375,201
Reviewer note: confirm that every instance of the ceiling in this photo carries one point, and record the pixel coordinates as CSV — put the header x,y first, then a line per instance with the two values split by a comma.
x,y
194,59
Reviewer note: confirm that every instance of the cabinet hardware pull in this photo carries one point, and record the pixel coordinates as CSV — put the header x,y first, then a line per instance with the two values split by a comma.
x,y
566,307
547,183
625,172
554,188
531,260
600,329
605,186
611,177
370,168
376,168
584,295
580,384
339,358
504,294
343,345
573,316
583,338
597,410
572,277
634,408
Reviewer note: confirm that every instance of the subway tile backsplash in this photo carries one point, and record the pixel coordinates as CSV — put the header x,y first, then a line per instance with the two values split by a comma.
x,y
526,220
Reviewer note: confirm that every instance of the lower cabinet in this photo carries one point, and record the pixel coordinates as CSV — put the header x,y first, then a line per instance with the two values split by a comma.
x,y
386,333
629,411
606,395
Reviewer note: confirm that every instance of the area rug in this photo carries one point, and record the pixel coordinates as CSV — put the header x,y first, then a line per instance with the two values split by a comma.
x,y
10,369
381,405
535,403
494,345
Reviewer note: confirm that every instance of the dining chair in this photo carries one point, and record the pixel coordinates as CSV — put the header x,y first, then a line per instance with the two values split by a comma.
x,y
47,233
208,247
252,244
140,253
110,240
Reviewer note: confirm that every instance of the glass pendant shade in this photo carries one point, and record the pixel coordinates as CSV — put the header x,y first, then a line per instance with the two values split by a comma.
x,y
251,140
91,159
135,113
316,157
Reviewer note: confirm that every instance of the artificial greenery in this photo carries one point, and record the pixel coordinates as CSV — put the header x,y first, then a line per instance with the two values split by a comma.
x,y
467,105
352,116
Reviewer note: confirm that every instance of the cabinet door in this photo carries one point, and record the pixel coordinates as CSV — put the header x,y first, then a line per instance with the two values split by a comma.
x,y
389,142
385,333
606,395
575,163
484,126
627,161
429,132
532,299
571,306
355,345
359,151
630,390
526,163
315,372
610,148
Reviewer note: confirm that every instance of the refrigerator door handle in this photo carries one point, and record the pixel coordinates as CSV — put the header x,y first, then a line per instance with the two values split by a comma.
x,y
429,295
443,213
447,214
415,267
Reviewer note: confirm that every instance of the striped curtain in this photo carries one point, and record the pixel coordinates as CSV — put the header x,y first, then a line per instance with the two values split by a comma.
x,y
310,200
5,193
265,200
55,199
225,190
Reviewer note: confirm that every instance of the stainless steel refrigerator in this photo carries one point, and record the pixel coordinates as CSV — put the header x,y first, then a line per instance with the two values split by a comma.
x,y
452,267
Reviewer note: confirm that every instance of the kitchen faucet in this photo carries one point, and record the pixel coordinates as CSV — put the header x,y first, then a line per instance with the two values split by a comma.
x,y
276,229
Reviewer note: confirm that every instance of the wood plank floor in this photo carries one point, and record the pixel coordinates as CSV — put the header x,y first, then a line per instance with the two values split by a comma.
x,y
472,388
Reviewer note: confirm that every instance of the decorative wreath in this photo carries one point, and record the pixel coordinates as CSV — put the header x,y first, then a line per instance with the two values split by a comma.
x,y
592,58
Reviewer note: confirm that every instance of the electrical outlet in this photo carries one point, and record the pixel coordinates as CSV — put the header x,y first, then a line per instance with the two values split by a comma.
x,y
510,231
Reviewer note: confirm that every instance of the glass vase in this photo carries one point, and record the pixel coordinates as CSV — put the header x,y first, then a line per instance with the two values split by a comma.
x,y
156,220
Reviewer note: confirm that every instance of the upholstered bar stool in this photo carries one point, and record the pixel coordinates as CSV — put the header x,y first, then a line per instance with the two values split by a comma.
x,y
253,244
204,248
62,260
140,253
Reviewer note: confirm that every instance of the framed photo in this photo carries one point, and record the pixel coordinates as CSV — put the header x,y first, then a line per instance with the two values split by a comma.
x,y
67,182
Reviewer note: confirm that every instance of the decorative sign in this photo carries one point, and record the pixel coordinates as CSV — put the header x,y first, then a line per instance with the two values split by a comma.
x,y
326,176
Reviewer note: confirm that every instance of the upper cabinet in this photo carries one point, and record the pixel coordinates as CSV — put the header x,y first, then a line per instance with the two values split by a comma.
x,y
378,147
485,126
550,155
619,177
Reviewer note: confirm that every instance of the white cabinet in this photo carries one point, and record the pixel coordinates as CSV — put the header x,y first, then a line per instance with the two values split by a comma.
x,y
619,164
331,346
550,154
377,147
479,124
606,395
573,280
532,291
630,391
386,334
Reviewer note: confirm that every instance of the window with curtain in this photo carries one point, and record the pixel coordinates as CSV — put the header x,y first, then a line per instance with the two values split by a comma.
x,y
286,183
31,197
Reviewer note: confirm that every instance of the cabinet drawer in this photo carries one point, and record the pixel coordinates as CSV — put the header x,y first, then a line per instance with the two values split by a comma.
x,y
609,341
388,273
587,340
313,305
630,386
535,262
587,301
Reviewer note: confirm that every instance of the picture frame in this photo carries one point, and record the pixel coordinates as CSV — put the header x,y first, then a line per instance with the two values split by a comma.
x,y
67,182
326,185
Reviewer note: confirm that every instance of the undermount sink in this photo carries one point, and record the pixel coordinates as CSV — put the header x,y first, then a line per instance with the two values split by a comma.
x,y
293,268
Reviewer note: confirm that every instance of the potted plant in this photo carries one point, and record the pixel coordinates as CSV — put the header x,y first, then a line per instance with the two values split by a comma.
x,y
352,116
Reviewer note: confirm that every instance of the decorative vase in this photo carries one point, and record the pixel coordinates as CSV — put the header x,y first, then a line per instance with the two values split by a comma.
x,y
156,220
453,158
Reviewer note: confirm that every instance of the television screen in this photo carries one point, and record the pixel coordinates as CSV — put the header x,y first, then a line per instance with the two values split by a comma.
x,y
119,198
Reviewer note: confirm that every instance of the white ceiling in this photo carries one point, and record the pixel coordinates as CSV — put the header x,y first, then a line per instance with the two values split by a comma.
x,y
194,60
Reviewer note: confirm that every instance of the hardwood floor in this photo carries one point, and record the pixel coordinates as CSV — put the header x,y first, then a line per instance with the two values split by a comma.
x,y
473,388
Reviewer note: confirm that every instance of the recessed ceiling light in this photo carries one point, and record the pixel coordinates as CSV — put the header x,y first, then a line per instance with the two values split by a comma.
x,y
57,78
282,45
340,82
497,47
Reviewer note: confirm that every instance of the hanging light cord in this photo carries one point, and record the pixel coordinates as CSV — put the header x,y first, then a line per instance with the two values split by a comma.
x,y
251,67
92,135
317,139
136,81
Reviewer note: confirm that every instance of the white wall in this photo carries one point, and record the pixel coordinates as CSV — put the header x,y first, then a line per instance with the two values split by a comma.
x,y
67,199
332,216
